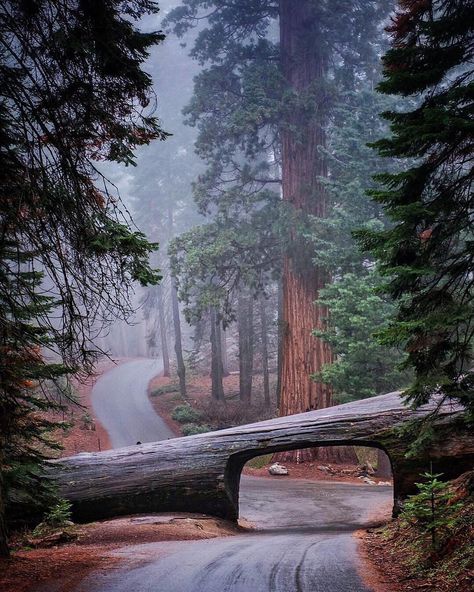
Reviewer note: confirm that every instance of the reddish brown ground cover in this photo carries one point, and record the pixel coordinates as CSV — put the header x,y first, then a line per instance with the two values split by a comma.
x,y
68,564
198,395
344,473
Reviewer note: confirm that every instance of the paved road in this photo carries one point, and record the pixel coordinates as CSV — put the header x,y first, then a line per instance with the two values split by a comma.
x,y
303,543
121,404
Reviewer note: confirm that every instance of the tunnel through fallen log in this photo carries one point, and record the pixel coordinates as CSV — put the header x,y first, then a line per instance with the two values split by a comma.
x,y
201,473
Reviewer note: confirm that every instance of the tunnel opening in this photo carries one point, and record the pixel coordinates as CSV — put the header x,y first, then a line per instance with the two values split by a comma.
x,y
317,494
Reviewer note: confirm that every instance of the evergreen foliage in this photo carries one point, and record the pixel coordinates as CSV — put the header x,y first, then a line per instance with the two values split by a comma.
x,y
362,367
25,433
426,255
241,104
59,514
73,93
432,510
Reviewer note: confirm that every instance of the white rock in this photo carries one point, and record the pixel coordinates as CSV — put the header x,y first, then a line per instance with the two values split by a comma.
x,y
384,483
368,481
278,469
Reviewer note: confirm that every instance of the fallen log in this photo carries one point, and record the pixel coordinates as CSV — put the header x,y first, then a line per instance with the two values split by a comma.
x,y
202,473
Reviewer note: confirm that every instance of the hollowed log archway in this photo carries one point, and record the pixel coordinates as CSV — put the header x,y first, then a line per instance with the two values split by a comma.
x,y
202,473
238,461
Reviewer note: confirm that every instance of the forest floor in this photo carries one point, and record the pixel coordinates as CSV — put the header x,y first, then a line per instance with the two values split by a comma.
x,y
397,557
89,546
165,397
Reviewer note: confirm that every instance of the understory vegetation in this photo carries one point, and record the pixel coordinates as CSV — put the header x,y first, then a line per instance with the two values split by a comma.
x,y
406,551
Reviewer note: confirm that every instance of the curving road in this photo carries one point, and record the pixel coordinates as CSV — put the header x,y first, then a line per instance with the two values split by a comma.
x,y
120,402
303,538
303,543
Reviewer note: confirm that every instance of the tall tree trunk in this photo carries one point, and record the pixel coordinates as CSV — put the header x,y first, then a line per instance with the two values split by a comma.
x,y
264,351
178,342
217,391
304,68
280,343
178,345
4,550
164,339
246,339
225,360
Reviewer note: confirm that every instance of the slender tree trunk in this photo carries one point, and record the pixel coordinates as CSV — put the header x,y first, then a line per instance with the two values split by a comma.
x,y
217,391
178,342
264,351
123,340
164,338
246,339
225,361
178,346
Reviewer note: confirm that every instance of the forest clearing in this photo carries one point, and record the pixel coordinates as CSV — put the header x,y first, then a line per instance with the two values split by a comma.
x,y
236,295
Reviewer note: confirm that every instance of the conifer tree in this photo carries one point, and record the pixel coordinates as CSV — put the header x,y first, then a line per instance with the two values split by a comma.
x,y
260,105
427,255
73,93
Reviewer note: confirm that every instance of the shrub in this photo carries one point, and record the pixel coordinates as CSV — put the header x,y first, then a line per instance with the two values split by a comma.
x,y
164,390
432,510
59,514
185,414
191,429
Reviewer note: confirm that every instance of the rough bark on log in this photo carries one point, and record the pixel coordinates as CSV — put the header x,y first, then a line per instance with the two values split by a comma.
x,y
202,473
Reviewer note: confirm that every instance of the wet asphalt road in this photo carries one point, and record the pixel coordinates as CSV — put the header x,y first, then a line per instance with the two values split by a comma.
x,y
303,542
121,404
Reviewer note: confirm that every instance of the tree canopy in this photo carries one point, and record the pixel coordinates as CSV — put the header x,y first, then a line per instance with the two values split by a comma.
x,y
427,254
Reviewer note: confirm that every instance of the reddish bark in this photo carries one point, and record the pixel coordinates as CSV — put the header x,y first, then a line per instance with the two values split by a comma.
x,y
302,166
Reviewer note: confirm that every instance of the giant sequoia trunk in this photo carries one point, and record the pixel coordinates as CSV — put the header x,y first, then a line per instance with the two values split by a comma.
x,y
304,69
303,164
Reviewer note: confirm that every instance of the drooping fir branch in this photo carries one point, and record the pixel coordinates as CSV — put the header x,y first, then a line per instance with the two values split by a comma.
x,y
74,93
427,256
